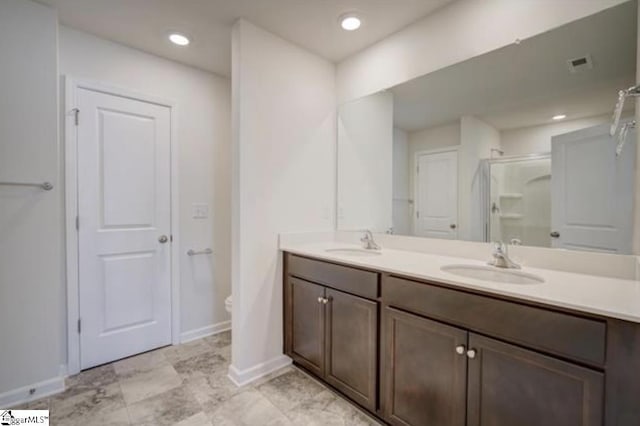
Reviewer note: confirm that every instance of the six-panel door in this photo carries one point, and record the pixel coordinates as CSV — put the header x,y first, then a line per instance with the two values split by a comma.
x,y
307,318
425,371
351,346
510,386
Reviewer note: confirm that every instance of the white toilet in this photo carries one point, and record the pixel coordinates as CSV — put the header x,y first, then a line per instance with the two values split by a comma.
x,y
227,304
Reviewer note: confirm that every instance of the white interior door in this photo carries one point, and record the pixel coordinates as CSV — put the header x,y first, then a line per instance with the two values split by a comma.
x,y
437,195
592,191
124,216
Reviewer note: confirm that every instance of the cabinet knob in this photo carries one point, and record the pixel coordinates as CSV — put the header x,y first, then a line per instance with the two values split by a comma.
x,y
471,353
325,300
320,299
460,349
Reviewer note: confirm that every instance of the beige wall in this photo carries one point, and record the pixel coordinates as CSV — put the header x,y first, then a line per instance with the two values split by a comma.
x,y
284,172
32,298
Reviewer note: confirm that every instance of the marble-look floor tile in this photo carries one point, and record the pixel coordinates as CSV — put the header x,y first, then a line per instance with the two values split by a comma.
x,y
104,418
72,408
91,379
140,363
200,419
38,404
212,390
328,409
290,389
167,408
149,383
199,366
220,340
248,408
184,351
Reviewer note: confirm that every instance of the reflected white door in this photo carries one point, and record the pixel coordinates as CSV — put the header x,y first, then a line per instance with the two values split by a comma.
x,y
592,191
437,195
124,216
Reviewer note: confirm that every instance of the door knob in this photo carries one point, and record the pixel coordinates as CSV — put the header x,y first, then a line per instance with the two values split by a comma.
x,y
555,234
453,226
471,353
460,349
163,239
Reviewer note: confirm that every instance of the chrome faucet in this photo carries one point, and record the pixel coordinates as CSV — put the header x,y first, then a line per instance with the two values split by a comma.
x,y
501,257
368,242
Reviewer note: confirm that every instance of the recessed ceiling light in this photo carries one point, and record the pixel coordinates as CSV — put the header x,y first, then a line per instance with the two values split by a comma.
x,y
350,22
179,39
559,117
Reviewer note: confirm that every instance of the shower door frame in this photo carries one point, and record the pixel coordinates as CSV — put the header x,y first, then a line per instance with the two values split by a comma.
x,y
486,183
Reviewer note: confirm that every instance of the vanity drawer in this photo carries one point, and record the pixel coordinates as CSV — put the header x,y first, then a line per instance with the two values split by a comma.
x,y
351,280
566,335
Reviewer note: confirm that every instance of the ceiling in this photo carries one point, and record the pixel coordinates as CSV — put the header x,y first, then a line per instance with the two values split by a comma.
x,y
312,24
526,84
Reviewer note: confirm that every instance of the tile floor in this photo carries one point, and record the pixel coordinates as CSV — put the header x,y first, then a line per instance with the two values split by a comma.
x,y
187,385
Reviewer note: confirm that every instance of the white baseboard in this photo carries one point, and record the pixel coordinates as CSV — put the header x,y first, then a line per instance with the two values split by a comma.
x,y
244,377
24,394
209,330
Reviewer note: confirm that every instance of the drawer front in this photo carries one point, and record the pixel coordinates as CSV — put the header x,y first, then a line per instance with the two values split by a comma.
x,y
351,280
554,332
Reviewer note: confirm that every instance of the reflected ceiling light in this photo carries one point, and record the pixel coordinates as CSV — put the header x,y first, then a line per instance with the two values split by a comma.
x,y
350,22
559,117
179,39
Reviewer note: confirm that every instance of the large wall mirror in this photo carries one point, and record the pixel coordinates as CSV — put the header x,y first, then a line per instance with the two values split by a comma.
x,y
514,145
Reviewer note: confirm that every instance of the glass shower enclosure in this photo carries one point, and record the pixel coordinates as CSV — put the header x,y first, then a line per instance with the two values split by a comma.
x,y
517,198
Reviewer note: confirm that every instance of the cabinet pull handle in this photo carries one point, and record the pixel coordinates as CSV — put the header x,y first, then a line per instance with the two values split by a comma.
x,y
460,349
471,353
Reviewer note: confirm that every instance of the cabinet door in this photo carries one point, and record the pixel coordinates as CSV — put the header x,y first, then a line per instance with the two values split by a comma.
x,y
425,375
351,357
513,386
307,324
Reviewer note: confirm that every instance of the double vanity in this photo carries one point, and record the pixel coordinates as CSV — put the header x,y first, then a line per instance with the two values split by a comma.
x,y
423,339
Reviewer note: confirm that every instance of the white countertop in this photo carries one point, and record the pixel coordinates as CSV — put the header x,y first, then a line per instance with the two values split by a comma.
x,y
610,297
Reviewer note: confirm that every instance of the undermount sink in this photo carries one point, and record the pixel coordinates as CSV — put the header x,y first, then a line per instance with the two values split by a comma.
x,y
493,274
353,252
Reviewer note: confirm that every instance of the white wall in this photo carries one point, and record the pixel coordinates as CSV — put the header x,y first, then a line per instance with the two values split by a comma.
x,y
402,209
204,137
477,138
365,151
31,232
537,139
459,31
283,180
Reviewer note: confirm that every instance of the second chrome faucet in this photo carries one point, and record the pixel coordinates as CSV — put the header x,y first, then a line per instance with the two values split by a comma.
x,y
501,257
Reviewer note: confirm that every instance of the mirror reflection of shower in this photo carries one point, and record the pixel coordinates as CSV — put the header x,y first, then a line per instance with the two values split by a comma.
x,y
520,200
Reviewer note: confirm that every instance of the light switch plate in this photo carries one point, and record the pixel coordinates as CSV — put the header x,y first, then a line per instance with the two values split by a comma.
x,y
200,211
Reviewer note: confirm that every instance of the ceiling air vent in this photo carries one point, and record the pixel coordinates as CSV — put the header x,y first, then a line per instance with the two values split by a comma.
x,y
580,64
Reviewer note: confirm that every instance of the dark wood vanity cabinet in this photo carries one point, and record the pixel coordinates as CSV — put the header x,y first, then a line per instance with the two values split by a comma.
x,y
424,379
453,357
508,385
334,335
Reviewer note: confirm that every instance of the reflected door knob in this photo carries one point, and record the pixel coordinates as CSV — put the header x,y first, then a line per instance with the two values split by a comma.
x,y
555,234
163,239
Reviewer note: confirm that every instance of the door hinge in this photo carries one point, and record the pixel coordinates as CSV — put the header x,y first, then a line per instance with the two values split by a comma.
x,y
79,325
77,223
76,116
